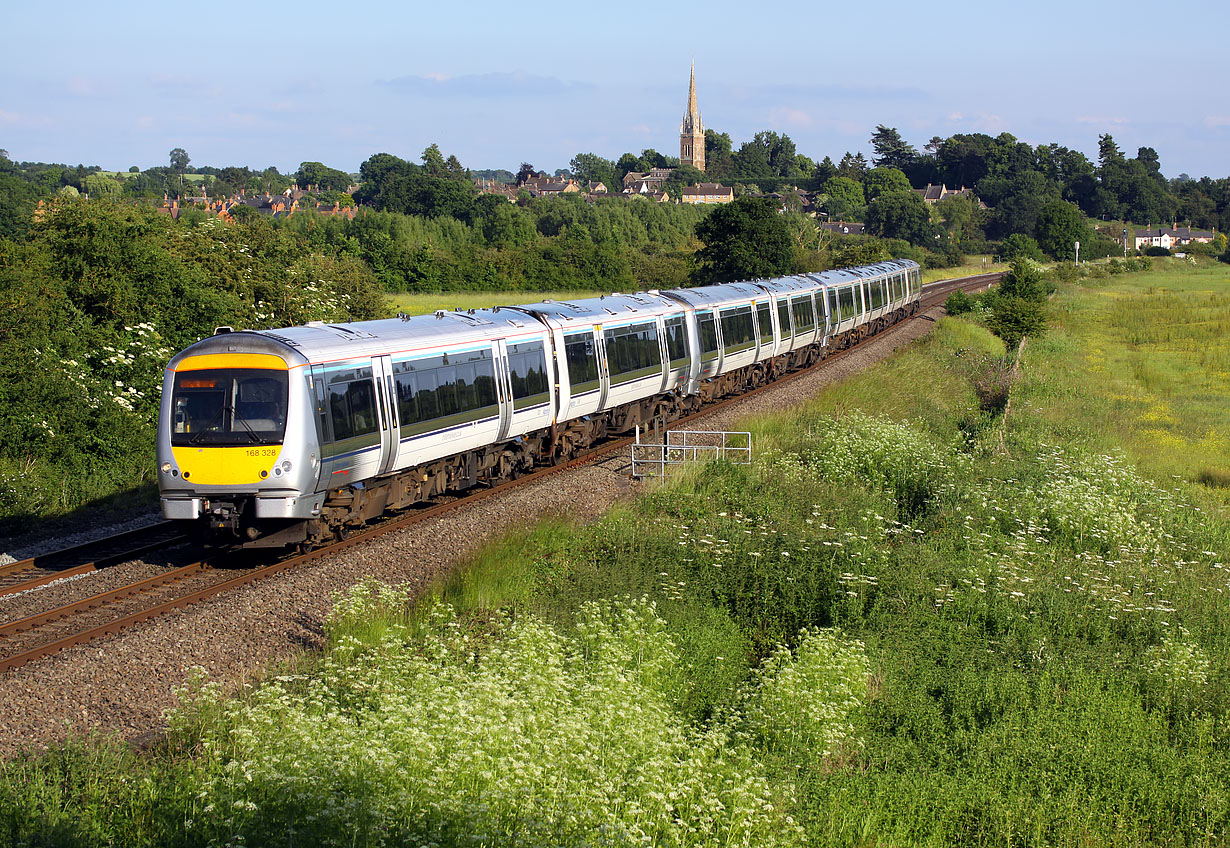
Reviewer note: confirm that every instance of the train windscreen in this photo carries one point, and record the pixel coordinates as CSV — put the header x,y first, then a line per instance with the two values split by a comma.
x,y
224,407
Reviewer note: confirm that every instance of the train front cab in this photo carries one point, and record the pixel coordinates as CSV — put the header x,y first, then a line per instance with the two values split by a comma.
x,y
237,449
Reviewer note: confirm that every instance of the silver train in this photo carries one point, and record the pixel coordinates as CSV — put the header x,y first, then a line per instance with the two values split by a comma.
x,y
271,438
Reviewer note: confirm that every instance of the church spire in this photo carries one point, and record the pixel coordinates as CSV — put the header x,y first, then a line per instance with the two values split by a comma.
x,y
692,130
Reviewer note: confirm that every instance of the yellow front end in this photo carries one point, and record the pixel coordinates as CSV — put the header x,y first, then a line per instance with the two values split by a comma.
x,y
241,466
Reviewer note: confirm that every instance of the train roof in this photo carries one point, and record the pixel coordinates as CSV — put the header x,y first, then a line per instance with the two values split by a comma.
x,y
708,297
320,342
598,310
325,342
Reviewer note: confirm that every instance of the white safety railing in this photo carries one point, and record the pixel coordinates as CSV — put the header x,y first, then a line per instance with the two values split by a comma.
x,y
652,459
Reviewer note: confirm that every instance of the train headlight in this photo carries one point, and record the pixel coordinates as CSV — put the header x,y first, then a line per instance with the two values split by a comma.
x,y
286,466
165,468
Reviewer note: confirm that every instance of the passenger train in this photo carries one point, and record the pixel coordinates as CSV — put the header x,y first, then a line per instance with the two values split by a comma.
x,y
272,438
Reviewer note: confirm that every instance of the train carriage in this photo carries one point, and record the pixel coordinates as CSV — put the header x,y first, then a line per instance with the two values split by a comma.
x,y
277,437
614,352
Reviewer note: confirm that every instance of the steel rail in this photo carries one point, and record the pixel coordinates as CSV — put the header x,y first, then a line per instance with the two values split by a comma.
x,y
91,556
33,622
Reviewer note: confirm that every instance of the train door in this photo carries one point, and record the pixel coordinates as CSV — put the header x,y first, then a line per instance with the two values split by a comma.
x,y
386,412
503,389
783,323
604,371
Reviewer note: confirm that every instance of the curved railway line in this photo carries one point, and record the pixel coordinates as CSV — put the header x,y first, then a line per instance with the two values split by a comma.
x,y
41,634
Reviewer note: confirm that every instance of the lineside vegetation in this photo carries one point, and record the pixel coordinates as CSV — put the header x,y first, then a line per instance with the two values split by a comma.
x,y
922,616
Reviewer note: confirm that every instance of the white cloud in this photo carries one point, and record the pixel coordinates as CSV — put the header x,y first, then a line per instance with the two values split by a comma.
x,y
16,119
783,116
86,87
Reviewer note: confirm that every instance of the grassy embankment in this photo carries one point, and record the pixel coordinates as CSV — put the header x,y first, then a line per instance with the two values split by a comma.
x,y
988,645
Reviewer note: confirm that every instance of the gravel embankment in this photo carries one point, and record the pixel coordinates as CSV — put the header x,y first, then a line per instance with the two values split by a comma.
x,y
122,685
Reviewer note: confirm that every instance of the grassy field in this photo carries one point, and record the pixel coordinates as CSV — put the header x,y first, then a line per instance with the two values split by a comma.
x,y
973,265
427,303
910,621
1153,357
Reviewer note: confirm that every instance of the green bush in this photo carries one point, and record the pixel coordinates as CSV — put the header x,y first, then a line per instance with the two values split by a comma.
x,y
1154,250
1018,245
959,303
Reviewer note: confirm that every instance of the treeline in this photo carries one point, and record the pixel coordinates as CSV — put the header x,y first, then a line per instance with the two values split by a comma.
x,y
97,295
1042,193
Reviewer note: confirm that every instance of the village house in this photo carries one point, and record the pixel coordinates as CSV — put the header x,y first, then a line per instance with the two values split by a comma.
x,y
933,194
651,180
1168,237
497,188
707,193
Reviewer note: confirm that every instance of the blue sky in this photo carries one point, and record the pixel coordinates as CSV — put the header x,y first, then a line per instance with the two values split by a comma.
x,y
499,83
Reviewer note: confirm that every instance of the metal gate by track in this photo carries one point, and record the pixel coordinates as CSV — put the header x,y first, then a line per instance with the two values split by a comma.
x,y
681,447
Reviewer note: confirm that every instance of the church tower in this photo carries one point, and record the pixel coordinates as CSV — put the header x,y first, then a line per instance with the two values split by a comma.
x,y
692,131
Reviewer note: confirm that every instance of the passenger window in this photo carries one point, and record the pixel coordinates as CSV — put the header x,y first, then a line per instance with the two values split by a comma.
x,y
582,359
708,336
783,317
352,404
764,315
804,316
737,331
677,341
442,391
632,352
527,372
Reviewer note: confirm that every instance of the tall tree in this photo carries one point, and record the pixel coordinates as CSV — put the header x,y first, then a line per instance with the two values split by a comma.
x,y
852,166
433,161
1108,151
891,150
744,240
719,155
903,215
965,159
680,178
883,180
179,160
824,171
1060,225
843,198
590,167
525,173
321,177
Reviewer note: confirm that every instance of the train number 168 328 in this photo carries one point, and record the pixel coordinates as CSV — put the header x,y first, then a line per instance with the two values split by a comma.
x,y
262,452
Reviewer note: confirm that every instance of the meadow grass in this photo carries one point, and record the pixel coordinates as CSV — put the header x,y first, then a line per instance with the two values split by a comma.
x,y
1145,362
425,303
972,266
895,627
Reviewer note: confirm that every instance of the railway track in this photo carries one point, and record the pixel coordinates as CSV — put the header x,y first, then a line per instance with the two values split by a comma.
x,y
33,572
80,617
